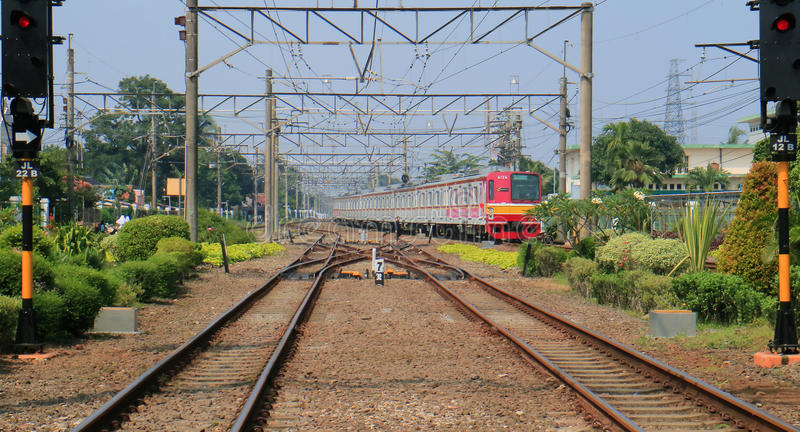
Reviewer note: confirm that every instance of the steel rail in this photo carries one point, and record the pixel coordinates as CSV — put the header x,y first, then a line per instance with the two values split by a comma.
x,y
251,407
107,413
745,415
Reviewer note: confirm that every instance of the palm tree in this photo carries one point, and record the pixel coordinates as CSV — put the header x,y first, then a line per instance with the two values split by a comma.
x,y
734,133
447,161
704,178
634,165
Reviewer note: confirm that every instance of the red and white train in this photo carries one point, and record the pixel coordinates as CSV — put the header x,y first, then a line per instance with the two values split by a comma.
x,y
489,205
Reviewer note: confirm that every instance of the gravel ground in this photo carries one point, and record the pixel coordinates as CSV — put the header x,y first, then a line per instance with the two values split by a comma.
x,y
376,368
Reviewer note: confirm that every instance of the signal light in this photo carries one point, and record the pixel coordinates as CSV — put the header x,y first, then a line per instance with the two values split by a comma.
x,y
24,21
27,48
784,23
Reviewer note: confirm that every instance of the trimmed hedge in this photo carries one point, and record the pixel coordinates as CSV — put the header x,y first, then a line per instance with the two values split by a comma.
x,y
49,308
586,248
550,260
11,269
239,252
234,234
81,305
157,276
11,237
616,254
659,256
189,253
137,239
638,290
9,316
105,284
532,264
719,297
579,272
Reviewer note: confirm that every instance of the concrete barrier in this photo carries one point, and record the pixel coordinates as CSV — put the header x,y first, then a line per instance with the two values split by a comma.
x,y
670,323
115,320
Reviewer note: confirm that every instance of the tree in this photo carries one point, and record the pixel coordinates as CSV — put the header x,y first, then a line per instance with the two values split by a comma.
x,y
734,133
447,162
704,178
634,164
662,152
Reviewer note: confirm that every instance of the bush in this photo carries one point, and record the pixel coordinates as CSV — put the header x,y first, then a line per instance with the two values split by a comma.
x,y
579,272
157,277
659,256
127,294
550,260
11,237
751,229
109,246
189,253
718,297
73,239
11,273
9,316
49,309
94,258
586,247
532,264
105,284
616,254
81,305
234,234
137,239
649,291
611,288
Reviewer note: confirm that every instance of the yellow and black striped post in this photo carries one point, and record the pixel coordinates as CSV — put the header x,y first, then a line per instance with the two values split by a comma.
x,y
26,327
785,330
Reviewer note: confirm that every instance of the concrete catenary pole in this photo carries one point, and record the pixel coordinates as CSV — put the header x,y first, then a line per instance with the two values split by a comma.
x,y
586,101
153,159
255,190
219,172
275,172
562,140
191,118
268,160
72,152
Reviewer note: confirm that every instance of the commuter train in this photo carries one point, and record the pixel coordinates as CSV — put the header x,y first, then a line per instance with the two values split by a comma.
x,y
490,205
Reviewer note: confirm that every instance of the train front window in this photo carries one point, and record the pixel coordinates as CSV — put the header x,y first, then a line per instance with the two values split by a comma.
x,y
524,187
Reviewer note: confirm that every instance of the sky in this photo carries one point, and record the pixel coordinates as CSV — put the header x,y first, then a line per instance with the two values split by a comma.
x,y
634,43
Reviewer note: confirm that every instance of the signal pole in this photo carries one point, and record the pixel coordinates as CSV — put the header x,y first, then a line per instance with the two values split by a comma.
x,y
269,161
191,118
153,159
72,152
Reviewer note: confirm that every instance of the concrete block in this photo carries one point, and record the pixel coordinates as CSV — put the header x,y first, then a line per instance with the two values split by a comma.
x,y
115,320
670,323
487,244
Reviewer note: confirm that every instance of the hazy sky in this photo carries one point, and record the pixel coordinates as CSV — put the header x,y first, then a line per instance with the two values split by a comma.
x,y
634,43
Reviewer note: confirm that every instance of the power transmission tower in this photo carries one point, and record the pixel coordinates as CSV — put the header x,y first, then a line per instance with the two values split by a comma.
x,y
673,123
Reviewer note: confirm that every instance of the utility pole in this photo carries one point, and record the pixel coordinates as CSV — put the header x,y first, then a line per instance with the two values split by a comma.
x,y
562,140
191,117
219,172
275,173
269,156
296,196
153,160
255,190
586,101
286,193
70,129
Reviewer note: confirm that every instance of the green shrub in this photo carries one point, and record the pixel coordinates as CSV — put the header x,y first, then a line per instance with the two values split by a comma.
x,y
751,229
127,294
616,254
190,254
611,288
719,297
659,256
49,309
248,251
579,272
158,276
73,239
94,258
649,291
11,269
81,305
11,237
9,316
586,248
137,239
550,260
234,234
105,284
532,265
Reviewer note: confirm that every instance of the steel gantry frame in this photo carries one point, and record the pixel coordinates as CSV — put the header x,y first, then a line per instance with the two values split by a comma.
x,y
422,32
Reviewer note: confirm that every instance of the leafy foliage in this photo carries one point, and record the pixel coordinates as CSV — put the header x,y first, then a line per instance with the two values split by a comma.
x,y
81,305
659,256
704,178
234,234
579,272
239,252
106,285
157,277
743,248
633,151
699,226
189,254
616,254
504,260
11,237
10,273
447,162
717,297
49,309
9,316
137,239
638,290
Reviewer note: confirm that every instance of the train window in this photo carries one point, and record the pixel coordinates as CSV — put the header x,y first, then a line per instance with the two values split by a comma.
x,y
525,187
491,190
474,195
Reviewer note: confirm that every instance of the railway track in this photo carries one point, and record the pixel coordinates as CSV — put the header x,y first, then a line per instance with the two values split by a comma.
x,y
202,384
619,387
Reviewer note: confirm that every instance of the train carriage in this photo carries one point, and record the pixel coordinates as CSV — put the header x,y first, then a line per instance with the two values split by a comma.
x,y
491,205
